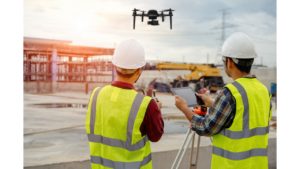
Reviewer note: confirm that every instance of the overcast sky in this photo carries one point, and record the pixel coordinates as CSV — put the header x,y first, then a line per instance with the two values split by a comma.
x,y
195,37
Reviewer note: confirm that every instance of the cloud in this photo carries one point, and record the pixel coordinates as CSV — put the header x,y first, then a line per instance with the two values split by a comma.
x,y
196,30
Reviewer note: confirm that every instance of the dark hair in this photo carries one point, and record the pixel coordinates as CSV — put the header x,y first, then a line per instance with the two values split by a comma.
x,y
243,65
127,73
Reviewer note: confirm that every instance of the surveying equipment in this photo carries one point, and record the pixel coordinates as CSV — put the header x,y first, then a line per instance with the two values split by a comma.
x,y
190,136
200,110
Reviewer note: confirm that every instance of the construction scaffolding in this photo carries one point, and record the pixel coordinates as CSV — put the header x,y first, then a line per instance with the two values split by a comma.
x,y
55,62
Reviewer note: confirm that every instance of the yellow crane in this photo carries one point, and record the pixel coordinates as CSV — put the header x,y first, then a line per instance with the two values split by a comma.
x,y
202,75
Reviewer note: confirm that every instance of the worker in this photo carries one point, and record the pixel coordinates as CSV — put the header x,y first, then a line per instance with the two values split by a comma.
x,y
238,119
120,121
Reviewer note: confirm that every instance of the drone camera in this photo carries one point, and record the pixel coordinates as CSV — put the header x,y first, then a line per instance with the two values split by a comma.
x,y
153,22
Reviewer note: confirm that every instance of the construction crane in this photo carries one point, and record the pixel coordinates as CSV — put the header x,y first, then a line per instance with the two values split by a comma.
x,y
202,75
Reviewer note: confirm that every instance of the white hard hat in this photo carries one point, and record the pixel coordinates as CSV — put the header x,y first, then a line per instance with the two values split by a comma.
x,y
129,54
240,46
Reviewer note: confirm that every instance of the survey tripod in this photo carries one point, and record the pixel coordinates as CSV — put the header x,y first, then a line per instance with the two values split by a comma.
x,y
190,136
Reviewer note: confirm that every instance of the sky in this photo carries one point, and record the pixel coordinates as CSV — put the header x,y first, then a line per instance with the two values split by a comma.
x,y
195,37
53,19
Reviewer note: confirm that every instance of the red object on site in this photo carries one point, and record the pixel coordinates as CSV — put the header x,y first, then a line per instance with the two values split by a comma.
x,y
200,110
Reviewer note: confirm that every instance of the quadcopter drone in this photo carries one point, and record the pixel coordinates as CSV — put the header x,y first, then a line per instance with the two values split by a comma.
x,y
152,15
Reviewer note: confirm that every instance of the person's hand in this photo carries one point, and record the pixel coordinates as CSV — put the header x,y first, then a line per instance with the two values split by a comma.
x,y
159,104
183,107
208,101
180,103
203,91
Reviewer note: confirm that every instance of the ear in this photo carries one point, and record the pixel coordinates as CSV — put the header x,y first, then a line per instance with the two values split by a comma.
x,y
230,63
138,71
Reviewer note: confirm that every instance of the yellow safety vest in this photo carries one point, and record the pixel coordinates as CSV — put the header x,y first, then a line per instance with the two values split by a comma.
x,y
244,144
113,123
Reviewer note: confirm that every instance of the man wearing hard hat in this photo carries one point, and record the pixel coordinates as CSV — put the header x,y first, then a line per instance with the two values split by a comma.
x,y
238,119
120,121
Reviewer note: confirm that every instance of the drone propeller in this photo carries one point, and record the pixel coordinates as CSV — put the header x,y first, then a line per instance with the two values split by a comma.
x,y
168,10
136,9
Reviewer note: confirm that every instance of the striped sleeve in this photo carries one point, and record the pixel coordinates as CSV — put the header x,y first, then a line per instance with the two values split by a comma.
x,y
220,115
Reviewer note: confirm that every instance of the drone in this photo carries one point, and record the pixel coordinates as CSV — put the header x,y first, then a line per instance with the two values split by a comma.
x,y
152,16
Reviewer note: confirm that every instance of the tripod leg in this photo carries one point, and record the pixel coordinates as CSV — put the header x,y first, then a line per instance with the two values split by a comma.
x,y
184,150
198,148
192,150
181,151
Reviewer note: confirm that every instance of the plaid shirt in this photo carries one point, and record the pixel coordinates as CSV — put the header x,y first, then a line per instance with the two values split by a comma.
x,y
220,115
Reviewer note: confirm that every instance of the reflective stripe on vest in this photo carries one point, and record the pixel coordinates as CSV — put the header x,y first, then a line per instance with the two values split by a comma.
x,y
245,133
240,155
93,112
117,165
92,137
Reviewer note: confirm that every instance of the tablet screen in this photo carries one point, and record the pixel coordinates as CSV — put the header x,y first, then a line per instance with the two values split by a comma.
x,y
187,94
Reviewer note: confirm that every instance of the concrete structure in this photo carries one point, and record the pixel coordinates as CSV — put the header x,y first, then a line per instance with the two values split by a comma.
x,y
49,65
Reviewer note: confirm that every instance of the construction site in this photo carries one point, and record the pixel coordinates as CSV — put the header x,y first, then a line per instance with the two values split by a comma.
x,y
59,78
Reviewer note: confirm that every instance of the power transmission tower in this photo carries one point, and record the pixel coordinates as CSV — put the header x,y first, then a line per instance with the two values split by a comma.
x,y
223,27
224,24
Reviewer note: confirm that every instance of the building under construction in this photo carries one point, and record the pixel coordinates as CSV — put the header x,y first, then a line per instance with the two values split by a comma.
x,y
56,65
